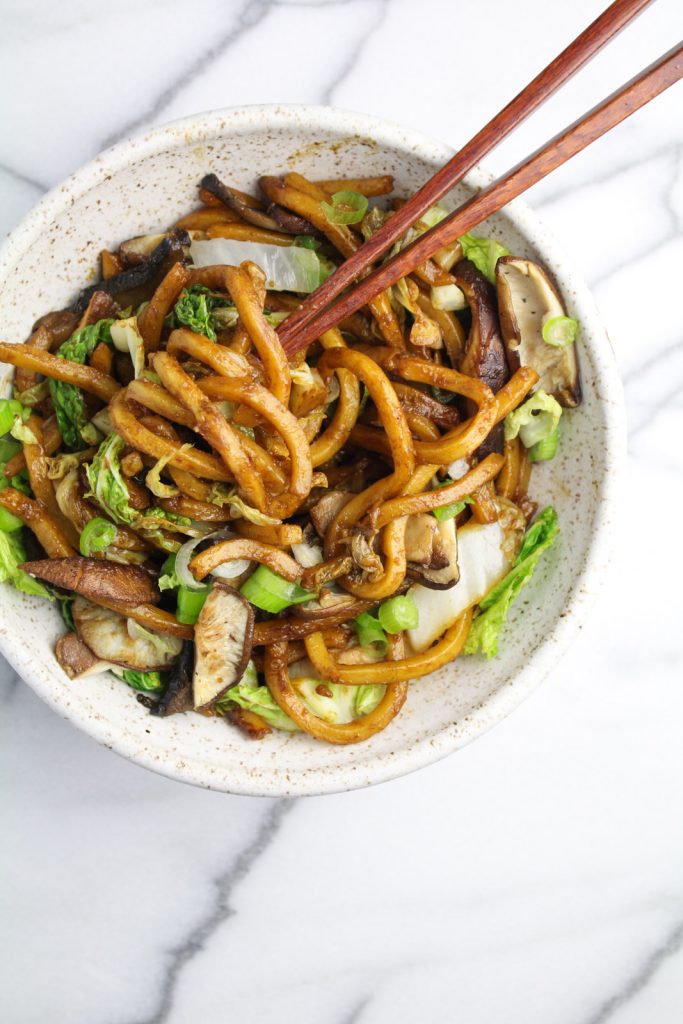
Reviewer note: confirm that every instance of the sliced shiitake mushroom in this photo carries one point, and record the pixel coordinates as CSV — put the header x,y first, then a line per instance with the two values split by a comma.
x,y
485,353
328,607
527,298
231,198
76,659
97,579
177,696
290,222
443,572
112,637
223,637
136,250
100,305
135,284
423,542
324,511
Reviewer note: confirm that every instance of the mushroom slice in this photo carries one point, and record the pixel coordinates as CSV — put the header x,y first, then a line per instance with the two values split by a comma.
x,y
97,579
177,696
100,305
138,281
442,572
364,555
235,201
328,606
137,250
223,638
109,637
325,510
485,353
292,223
526,299
420,537
76,659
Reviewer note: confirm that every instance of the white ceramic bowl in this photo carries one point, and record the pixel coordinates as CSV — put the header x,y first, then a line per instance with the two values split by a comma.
x,y
145,184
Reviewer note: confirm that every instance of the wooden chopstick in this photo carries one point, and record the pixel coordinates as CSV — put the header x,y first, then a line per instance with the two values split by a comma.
x,y
611,112
544,85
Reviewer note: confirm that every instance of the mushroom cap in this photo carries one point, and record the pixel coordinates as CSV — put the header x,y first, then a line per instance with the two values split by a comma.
x,y
76,658
223,638
97,579
526,298
106,633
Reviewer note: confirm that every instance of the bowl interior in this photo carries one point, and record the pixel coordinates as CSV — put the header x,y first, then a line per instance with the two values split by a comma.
x,y
145,184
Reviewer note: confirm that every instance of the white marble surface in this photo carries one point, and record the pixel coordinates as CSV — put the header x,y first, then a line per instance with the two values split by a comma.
x,y
536,877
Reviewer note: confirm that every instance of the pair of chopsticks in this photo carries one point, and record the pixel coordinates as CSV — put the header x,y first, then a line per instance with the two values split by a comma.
x,y
319,311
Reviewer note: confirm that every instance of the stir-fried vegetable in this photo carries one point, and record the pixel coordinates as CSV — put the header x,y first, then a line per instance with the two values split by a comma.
x,y
146,682
11,413
445,512
346,208
535,421
125,334
97,535
12,554
370,632
398,613
252,696
545,450
190,603
484,253
448,297
8,449
271,592
332,702
494,608
107,484
200,309
287,268
67,399
559,331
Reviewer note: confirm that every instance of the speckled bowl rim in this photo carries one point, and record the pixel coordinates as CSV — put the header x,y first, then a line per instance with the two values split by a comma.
x,y
378,768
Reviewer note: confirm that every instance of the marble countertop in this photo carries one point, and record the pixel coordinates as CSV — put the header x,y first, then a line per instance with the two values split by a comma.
x,y
536,877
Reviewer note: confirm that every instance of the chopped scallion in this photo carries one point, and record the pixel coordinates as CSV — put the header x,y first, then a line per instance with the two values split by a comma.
x,y
398,613
190,603
369,631
271,593
97,535
346,208
559,331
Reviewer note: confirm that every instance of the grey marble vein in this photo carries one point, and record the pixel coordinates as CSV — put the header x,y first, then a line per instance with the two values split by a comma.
x,y
612,171
652,361
252,14
225,886
352,60
659,373
672,945
594,281
25,179
664,402
669,203
357,1011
